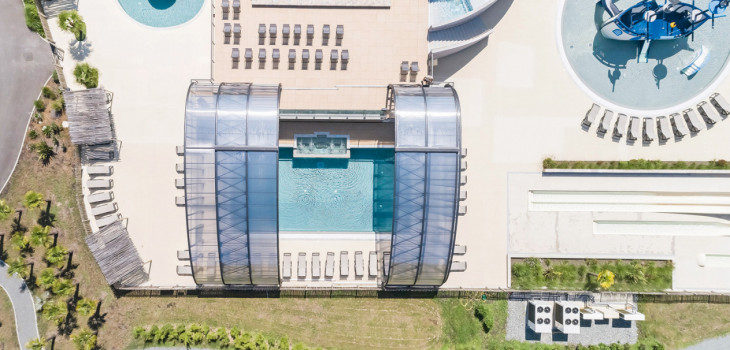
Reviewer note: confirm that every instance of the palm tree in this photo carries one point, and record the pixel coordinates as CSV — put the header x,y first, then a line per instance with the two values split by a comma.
x,y
45,152
47,278
33,199
84,340
18,266
5,210
54,311
85,307
71,21
36,344
20,242
56,255
62,286
39,235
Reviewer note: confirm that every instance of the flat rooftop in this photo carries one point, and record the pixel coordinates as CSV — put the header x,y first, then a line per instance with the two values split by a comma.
x,y
378,40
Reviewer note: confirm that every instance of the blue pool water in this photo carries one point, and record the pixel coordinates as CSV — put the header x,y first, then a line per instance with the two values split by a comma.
x,y
162,13
444,10
611,69
340,195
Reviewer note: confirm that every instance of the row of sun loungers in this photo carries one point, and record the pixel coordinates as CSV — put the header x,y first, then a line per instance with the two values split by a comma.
x,y
286,31
102,207
276,55
329,268
662,127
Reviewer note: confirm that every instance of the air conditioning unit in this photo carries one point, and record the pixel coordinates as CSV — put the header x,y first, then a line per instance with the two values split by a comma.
x,y
567,316
540,316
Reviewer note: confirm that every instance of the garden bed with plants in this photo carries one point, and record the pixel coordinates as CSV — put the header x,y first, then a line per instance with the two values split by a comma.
x,y
592,274
636,164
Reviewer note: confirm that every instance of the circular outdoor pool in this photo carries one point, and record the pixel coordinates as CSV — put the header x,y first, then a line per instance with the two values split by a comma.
x,y
611,68
161,13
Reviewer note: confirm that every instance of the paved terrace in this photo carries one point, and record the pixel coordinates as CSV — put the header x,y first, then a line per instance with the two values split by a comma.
x,y
378,40
520,105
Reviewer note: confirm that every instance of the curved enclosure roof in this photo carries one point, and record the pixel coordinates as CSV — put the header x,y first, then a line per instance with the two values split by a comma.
x,y
427,163
231,165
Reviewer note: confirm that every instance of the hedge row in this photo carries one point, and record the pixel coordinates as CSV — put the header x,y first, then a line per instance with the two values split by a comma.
x,y
220,338
636,164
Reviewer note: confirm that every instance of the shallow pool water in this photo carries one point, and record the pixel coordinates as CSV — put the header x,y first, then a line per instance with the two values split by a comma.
x,y
161,13
610,68
338,195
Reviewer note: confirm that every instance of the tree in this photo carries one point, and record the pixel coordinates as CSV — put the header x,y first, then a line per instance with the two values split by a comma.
x,y
84,340
54,311
39,236
46,278
36,344
18,266
85,307
605,279
39,105
71,21
33,199
5,210
62,286
56,255
86,75
20,242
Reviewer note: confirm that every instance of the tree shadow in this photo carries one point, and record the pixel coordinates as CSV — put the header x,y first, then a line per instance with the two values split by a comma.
x,y
47,218
79,50
68,325
17,225
97,320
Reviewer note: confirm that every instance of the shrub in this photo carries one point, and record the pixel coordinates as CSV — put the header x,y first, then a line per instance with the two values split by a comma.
x,y
39,235
46,278
36,344
5,210
45,152
38,118
605,279
548,163
85,307
18,266
86,75
33,20
54,311
39,105
57,105
55,128
20,242
56,255
54,76
62,287
485,313
47,92
32,134
84,340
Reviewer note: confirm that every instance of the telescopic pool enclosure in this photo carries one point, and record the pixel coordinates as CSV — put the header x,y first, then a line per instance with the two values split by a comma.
x,y
231,184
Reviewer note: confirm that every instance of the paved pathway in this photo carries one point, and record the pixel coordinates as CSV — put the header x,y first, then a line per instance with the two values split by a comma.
x,y
722,342
22,300
25,65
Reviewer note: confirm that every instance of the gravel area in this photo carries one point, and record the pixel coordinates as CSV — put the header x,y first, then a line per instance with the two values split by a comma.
x,y
722,342
591,332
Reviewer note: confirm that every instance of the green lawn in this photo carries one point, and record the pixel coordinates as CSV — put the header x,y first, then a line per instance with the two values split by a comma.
x,y
679,325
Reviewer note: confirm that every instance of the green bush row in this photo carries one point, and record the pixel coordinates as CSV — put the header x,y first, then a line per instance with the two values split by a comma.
x,y
221,338
636,275
636,164
516,345
485,313
32,18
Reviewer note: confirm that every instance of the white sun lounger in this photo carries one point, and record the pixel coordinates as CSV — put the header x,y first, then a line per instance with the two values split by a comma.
x,y
708,112
184,270
462,210
329,265
100,197
107,220
373,264
104,209
605,122
680,125
665,129
302,265
649,129
183,254
180,150
99,183
287,266
95,170
634,128
180,200
720,103
694,121
179,183
591,115
458,266
316,268
459,249
344,263
620,128
180,167
359,264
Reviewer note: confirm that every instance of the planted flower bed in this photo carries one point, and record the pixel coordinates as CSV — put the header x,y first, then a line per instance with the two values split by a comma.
x,y
636,164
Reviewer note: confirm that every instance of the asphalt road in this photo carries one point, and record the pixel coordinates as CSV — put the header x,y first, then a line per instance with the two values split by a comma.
x,y
25,65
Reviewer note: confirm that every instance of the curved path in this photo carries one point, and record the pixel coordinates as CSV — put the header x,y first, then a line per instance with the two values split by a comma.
x,y
25,65
26,325
721,342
